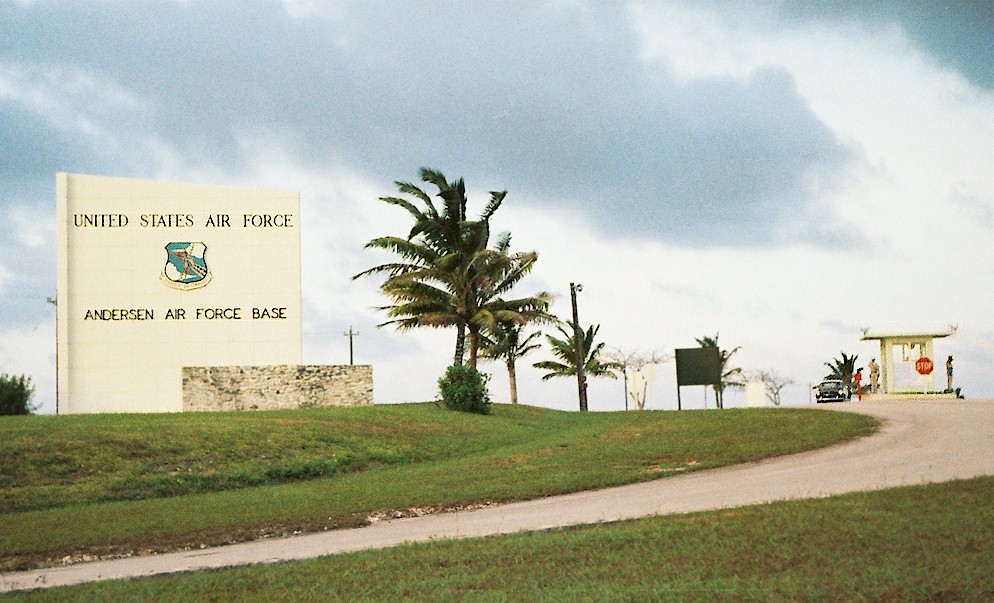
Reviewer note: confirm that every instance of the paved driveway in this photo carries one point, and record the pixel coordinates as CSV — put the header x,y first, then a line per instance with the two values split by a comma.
x,y
926,441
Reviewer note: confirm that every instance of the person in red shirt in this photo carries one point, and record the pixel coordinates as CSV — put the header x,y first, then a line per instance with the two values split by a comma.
x,y
857,379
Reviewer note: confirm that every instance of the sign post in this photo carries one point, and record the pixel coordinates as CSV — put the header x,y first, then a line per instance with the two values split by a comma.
x,y
697,366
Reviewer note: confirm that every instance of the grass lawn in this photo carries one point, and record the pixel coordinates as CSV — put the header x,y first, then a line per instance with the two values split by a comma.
x,y
923,543
116,484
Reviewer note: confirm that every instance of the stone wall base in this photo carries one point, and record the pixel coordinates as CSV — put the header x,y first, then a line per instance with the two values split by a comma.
x,y
214,388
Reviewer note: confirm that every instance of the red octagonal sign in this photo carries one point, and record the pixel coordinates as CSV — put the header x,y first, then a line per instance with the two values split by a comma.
x,y
924,365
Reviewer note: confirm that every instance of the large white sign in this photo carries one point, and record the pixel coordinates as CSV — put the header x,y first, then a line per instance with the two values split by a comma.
x,y
155,276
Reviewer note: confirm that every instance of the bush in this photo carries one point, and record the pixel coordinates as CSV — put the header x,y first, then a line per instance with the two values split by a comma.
x,y
464,388
15,395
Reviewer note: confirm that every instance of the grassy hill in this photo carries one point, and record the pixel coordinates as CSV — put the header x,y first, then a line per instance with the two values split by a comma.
x,y
104,485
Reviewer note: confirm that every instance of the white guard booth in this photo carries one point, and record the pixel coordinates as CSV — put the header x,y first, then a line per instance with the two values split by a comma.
x,y
907,360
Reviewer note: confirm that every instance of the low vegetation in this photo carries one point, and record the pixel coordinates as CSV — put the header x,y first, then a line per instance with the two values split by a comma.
x,y
15,395
923,543
139,483
464,388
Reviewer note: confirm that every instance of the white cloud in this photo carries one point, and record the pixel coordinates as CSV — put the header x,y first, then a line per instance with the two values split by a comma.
x,y
315,9
32,226
68,98
111,119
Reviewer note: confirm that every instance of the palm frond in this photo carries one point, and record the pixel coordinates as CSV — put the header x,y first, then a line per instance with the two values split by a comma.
x,y
496,198
412,209
405,248
503,244
556,369
435,177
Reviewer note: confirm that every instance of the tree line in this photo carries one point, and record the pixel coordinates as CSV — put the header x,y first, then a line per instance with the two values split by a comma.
x,y
451,273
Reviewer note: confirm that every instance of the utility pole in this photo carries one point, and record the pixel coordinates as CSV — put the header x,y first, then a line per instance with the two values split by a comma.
x,y
581,380
624,372
350,334
55,304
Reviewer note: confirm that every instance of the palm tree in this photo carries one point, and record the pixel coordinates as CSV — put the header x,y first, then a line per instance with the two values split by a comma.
x,y
425,298
565,350
843,368
730,376
425,284
493,275
505,343
447,276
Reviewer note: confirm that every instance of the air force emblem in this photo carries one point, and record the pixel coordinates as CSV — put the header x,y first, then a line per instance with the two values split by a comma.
x,y
185,267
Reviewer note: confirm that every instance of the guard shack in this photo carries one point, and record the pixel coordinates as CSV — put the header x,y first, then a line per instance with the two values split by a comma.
x,y
907,361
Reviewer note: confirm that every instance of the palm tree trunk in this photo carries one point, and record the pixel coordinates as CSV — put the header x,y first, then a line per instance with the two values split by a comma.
x,y
512,378
474,343
460,344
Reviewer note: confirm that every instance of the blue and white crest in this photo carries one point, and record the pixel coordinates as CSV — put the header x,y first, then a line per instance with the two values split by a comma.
x,y
186,267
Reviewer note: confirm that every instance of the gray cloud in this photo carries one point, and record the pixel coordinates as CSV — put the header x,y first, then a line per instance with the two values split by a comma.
x,y
550,101
959,34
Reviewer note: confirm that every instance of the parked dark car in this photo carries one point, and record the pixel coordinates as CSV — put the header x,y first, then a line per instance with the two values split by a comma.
x,y
831,390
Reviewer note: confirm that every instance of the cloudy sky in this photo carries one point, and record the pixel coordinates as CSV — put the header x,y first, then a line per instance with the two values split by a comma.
x,y
782,174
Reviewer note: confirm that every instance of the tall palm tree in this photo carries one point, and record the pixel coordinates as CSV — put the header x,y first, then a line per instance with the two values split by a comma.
x,y
506,343
565,350
730,376
843,368
434,255
447,276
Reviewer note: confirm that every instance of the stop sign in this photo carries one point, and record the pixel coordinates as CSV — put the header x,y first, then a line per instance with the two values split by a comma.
x,y
924,365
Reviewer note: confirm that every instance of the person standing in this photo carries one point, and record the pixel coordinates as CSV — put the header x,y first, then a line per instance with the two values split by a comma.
x,y
858,380
949,374
874,375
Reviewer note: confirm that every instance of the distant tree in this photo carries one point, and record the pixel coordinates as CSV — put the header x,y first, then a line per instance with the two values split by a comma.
x,y
730,376
773,382
635,361
843,368
507,343
15,395
590,353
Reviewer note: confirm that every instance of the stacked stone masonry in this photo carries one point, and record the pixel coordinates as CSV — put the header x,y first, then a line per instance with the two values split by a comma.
x,y
214,388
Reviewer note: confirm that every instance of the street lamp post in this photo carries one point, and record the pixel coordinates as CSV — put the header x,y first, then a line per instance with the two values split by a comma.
x,y
581,381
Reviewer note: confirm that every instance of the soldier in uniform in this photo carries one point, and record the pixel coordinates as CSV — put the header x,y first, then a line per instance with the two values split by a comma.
x,y
874,374
949,374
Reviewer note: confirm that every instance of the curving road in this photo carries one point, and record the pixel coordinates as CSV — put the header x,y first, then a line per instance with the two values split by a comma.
x,y
920,441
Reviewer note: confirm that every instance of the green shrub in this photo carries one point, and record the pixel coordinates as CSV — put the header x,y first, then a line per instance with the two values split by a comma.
x,y
464,388
15,395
